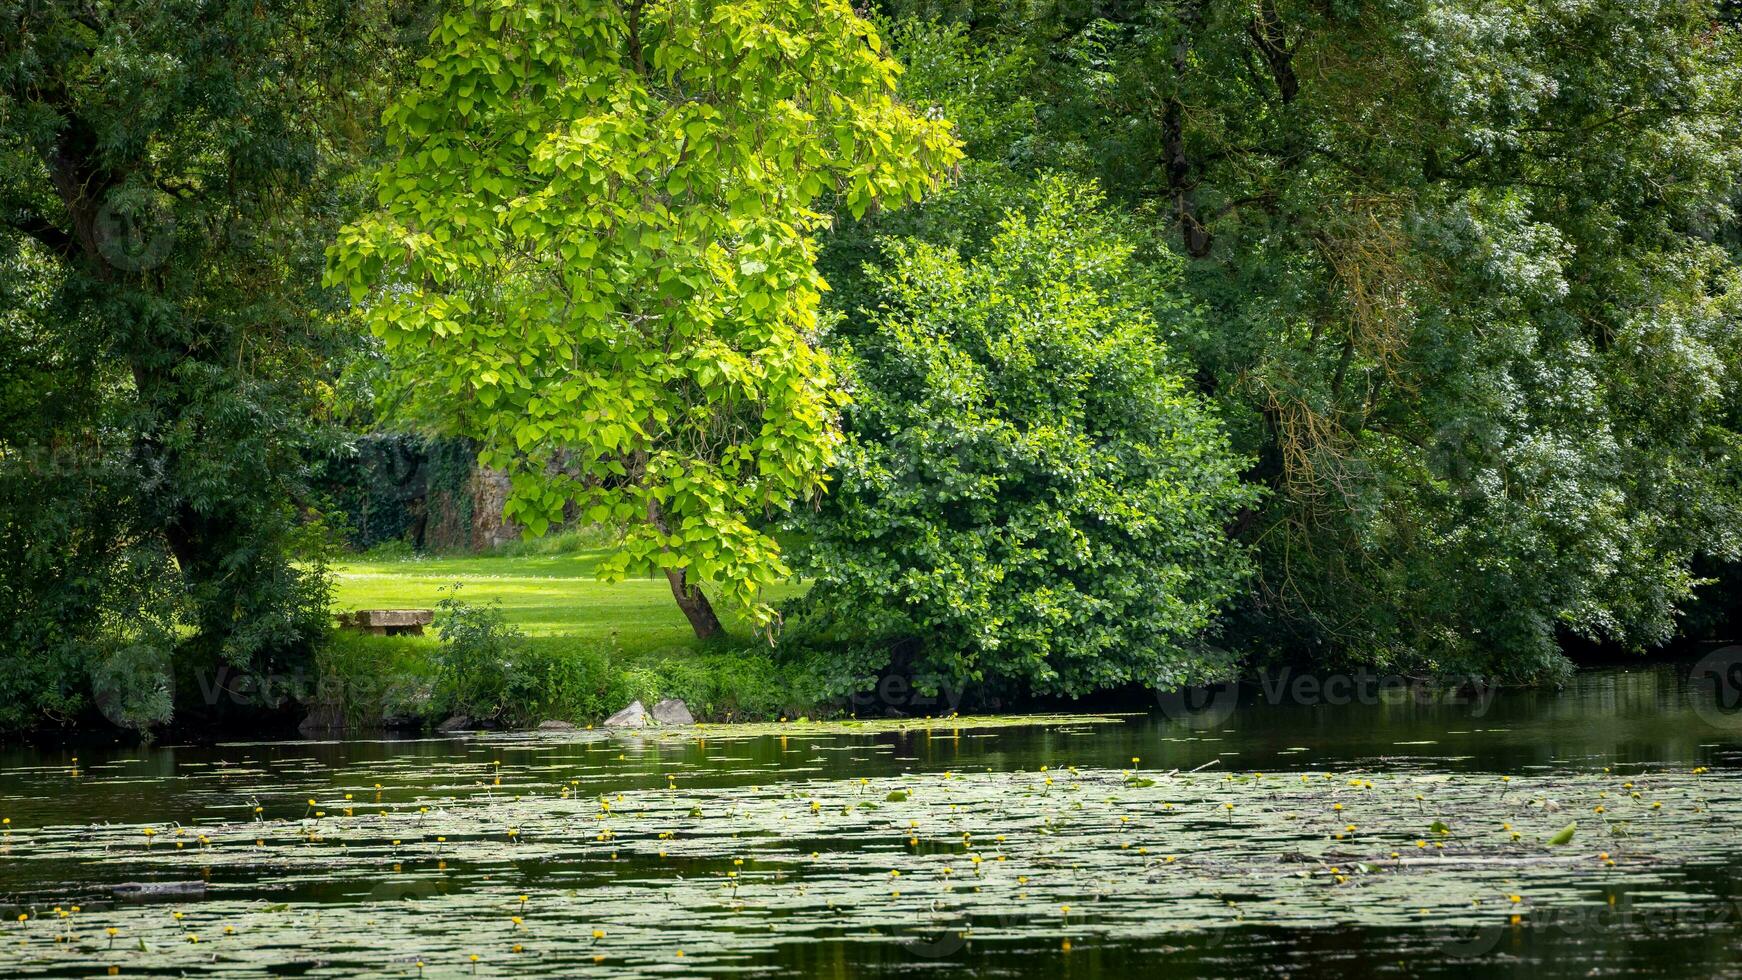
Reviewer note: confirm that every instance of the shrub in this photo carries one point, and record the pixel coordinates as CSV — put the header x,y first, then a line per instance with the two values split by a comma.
x,y
1030,496
372,679
534,679
477,673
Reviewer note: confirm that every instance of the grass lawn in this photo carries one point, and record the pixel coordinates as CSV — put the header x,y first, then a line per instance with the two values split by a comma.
x,y
591,647
552,595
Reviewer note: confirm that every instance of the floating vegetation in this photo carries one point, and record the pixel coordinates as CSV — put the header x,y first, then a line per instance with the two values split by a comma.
x,y
737,731
523,857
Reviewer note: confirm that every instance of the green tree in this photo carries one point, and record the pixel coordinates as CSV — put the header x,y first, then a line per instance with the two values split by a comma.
x,y
169,176
594,255
1464,301
1031,496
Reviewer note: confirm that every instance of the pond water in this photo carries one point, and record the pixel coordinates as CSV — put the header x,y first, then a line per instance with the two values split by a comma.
x,y
1294,831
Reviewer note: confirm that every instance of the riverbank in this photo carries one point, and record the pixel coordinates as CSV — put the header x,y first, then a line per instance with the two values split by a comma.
x,y
586,649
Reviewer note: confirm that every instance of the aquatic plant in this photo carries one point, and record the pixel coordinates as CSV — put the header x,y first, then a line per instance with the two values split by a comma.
x,y
531,855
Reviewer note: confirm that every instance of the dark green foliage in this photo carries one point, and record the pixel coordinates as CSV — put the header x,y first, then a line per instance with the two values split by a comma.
x,y
73,588
1466,294
392,486
170,174
378,488
76,585
132,687
1030,496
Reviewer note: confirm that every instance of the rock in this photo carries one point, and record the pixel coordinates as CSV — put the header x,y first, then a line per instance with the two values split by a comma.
x,y
555,726
457,723
388,622
634,716
672,711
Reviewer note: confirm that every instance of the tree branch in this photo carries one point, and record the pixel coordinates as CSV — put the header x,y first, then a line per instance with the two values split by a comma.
x,y
44,232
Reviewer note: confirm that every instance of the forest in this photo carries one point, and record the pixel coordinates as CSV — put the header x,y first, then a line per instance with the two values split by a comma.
x,y
1041,350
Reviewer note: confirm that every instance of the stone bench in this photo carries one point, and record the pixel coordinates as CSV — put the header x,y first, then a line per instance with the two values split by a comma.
x,y
388,622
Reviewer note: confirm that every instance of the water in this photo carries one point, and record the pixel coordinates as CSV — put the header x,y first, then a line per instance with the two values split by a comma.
x,y
927,850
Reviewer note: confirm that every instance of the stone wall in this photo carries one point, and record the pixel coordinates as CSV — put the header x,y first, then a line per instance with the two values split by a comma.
x,y
469,517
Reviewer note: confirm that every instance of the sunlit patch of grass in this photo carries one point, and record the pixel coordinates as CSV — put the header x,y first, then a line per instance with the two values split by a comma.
x,y
544,595
611,642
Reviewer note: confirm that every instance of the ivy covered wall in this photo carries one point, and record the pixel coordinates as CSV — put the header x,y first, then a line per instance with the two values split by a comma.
x,y
427,492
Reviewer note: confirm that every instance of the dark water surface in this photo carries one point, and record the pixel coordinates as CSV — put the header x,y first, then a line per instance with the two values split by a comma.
x,y
806,850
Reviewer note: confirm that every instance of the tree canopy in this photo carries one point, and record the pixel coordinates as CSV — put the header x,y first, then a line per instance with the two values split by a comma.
x,y
594,254
169,178
1466,299
1031,497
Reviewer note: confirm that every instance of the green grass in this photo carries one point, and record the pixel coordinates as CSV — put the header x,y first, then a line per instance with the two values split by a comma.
x,y
543,595
598,644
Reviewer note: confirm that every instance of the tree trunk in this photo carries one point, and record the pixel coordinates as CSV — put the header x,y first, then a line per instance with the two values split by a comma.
x,y
690,599
1177,166
695,605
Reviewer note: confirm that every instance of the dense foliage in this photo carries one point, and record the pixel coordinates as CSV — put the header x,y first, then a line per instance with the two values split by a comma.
x,y
1466,301
594,256
1407,333
170,174
1030,496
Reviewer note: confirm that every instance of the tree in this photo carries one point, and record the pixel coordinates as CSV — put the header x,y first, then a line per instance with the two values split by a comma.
x,y
1463,299
169,175
594,255
1031,497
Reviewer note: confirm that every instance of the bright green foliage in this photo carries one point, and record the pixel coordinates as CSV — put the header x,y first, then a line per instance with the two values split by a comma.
x,y
1031,497
594,255
1463,301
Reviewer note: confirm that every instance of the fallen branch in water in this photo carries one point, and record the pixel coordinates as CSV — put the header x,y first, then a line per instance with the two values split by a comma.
x,y
152,891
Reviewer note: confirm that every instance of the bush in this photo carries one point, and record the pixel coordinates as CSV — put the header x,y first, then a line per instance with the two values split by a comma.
x,y
370,679
477,668
1030,497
